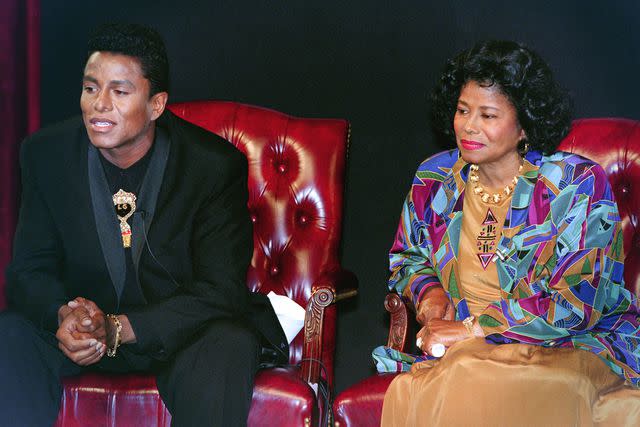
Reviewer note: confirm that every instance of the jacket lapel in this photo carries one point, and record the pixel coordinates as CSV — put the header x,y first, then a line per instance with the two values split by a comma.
x,y
106,221
521,207
452,195
149,193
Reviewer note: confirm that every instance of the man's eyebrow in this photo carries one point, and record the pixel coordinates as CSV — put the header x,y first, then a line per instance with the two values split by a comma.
x,y
111,83
89,79
121,83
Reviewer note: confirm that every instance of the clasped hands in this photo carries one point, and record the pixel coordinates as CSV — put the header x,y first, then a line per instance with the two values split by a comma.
x,y
83,331
436,315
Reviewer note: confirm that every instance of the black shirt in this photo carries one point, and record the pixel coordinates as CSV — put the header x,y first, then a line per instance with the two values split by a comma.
x,y
129,180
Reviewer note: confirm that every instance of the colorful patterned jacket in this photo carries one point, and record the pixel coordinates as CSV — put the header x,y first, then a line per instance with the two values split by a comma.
x,y
559,261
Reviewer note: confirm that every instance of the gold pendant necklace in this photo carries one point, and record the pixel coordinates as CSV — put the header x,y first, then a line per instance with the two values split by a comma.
x,y
495,198
125,204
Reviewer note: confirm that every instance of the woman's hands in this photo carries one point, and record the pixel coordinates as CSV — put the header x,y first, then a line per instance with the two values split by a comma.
x,y
435,312
438,331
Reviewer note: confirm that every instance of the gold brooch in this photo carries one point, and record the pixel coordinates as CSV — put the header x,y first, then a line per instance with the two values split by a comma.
x,y
125,204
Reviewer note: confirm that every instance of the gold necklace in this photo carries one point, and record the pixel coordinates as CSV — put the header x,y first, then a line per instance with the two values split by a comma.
x,y
495,197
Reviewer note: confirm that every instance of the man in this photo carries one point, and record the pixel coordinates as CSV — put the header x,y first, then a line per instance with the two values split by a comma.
x,y
131,251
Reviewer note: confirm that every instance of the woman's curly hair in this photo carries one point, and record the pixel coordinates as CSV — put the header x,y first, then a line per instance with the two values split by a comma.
x,y
544,109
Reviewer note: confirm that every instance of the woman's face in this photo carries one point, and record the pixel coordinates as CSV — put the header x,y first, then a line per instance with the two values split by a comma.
x,y
486,127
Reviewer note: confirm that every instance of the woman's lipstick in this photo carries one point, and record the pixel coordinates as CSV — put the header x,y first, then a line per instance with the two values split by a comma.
x,y
471,145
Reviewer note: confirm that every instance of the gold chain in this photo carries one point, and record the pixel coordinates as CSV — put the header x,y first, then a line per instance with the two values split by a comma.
x,y
495,198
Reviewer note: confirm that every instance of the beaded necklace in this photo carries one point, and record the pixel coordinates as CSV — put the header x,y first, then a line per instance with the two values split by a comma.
x,y
494,198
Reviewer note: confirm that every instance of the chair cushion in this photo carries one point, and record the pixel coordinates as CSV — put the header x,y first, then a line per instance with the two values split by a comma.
x,y
122,400
280,398
361,404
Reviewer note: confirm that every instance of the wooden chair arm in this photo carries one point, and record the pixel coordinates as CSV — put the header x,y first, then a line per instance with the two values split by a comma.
x,y
399,325
331,287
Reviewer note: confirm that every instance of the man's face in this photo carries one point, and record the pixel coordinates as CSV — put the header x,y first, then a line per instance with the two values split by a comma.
x,y
116,108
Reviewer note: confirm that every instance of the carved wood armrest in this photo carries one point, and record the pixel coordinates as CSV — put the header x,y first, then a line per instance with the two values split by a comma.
x,y
324,294
399,325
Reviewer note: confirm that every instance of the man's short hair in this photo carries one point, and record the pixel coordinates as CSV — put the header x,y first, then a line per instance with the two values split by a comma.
x,y
137,41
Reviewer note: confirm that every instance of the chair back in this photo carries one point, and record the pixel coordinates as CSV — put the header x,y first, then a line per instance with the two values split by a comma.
x,y
296,185
615,144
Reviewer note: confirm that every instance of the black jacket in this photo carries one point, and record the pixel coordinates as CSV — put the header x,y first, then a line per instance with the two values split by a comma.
x,y
192,209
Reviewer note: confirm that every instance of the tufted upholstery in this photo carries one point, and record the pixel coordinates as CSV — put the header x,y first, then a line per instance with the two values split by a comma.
x,y
296,181
613,143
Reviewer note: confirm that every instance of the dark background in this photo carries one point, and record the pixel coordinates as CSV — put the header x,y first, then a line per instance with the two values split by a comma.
x,y
372,62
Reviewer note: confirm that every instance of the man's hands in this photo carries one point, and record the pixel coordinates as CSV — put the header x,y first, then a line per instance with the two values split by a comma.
x,y
85,332
435,312
81,333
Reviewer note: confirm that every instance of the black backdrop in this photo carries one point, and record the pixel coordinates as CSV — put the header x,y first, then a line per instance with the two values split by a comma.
x,y
369,61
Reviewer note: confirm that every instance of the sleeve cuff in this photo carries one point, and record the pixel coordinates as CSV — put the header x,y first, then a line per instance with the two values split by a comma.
x,y
418,296
145,342
49,319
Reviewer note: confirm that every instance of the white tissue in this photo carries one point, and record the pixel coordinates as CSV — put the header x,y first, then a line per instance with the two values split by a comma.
x,y
290,314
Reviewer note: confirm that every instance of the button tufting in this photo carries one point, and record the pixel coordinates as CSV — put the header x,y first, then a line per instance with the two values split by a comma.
x,y
274,270
254,218
303,219
282,167
625,189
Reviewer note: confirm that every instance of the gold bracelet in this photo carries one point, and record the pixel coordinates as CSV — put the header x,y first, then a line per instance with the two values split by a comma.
x,y
111,352
468,323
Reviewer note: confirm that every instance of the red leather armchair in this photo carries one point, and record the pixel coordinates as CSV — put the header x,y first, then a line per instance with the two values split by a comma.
x,y
614,144
296,181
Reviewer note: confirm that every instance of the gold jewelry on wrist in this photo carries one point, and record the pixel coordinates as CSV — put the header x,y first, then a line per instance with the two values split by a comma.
x,y
111,352
468,323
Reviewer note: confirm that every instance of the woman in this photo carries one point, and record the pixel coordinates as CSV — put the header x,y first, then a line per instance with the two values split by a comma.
x,y
504,240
